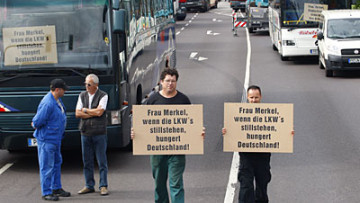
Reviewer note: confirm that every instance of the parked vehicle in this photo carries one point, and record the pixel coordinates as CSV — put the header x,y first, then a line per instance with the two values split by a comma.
x,y
291,33
213,3
339,41
238,4
126,44
257,15
201,5
180,9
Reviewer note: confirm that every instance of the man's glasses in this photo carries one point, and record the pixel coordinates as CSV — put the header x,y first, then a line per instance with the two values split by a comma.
x,y
87,84
170,81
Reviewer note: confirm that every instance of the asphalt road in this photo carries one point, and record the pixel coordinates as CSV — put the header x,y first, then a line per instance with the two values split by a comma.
x,y
211,61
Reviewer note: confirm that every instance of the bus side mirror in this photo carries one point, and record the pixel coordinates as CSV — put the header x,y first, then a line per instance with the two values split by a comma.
x,y
119,21
320,35
115,4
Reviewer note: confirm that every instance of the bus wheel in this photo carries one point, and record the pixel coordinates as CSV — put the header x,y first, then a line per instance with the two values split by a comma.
x,y
138,95
284,58
329,73
320,64
274,47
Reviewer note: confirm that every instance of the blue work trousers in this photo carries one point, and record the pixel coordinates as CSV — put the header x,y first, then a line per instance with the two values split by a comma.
x,y
50,161
94,145
174,167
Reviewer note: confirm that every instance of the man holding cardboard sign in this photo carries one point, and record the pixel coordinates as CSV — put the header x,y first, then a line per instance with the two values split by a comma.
x,y
255,163
170,164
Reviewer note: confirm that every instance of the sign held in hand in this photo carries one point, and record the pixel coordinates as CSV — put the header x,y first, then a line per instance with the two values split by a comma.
x,y
168,129
258,127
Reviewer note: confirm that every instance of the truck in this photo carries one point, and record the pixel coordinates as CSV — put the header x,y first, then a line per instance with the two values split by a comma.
x,y
257,15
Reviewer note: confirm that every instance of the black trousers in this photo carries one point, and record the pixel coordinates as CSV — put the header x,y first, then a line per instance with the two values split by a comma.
x,y
254,166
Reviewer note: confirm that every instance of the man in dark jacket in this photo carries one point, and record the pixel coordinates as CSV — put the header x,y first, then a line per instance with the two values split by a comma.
x,y
49,124
253,165
91,108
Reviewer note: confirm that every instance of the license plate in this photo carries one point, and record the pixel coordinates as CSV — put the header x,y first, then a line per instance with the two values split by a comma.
x,y
32,142
313,51
354,60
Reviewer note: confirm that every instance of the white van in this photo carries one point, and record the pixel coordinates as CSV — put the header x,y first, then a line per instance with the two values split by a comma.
x,y
339,41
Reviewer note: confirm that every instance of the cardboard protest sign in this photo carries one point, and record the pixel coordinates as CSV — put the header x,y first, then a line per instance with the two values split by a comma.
x,y
258,127
312,12
168,129
30,45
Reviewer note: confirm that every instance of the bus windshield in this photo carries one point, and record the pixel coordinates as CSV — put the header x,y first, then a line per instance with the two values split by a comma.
x,y
343,28
39,34
293,13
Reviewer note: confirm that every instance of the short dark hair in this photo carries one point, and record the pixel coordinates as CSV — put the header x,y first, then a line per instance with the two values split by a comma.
x,y
58,83
169,71
254,87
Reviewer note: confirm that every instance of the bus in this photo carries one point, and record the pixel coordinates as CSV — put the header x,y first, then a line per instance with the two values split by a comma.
x,y
290,32
126,43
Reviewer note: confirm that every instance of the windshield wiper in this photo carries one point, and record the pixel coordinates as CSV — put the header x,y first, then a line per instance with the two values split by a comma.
x,y
337,37
20,75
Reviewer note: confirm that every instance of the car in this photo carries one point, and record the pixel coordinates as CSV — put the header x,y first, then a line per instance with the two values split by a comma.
x,y
238,4
202,5
180,9
339,41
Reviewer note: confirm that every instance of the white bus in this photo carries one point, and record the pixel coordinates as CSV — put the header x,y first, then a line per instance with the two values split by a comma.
x,y
291,35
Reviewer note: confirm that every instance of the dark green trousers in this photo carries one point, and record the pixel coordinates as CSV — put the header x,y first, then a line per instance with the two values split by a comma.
x,y
172,166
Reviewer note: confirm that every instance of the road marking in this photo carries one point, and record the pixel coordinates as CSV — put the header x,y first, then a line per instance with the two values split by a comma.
x,y
6,167
187,24
235,163
193,57
193,54
209,32
202,58
216,20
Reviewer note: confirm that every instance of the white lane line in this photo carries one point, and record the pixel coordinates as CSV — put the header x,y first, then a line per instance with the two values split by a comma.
x,y
6,167
187,24
230,190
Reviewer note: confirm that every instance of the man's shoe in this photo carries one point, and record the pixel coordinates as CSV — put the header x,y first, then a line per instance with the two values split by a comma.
x,y
61,193
50,197
104,191
85,190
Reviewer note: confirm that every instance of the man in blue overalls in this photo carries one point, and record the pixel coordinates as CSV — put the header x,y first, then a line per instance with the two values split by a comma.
x,y
49,124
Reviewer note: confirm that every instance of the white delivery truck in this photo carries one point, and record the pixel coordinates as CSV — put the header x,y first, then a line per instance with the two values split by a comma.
x,y
339,41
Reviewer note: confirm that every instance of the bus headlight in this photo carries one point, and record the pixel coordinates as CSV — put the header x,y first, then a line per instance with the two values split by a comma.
x,y
115,117
289,43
